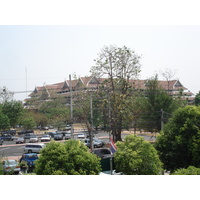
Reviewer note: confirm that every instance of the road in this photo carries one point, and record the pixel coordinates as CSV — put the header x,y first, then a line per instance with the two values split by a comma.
x,y
10,149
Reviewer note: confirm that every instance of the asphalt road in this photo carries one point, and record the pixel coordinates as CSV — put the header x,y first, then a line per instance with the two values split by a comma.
x,y
10,148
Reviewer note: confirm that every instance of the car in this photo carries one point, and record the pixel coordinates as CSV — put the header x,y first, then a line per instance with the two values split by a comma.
x,y
7,137
99,141
45,128
96,143
81,136
20,140
10,166
28,135
103,152
33,138
28,161
45,138
24,132
1,141
10,132
68,136
58,136
52,134
33,148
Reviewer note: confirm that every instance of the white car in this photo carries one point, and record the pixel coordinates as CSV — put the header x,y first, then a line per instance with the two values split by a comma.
x,y
33,139
45,138
81,136
10,166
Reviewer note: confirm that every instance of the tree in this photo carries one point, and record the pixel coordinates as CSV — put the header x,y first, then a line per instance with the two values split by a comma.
x,y
135,156
68,158
168,74
4,121
14,110
5,95
39,118
56,112
179,142
191,170
197,99
28,123
118,66
156,99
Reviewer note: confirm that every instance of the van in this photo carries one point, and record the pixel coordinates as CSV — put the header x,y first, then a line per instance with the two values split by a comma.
x,y
33,148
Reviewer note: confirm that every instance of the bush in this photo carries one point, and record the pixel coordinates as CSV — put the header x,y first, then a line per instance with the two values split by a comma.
x,y
137,157
191,170
70,157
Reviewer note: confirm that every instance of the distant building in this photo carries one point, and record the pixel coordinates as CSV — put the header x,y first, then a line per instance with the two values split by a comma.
x,y
50,92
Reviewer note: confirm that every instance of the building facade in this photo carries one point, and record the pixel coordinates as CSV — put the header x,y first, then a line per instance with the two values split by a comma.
x,y
49,92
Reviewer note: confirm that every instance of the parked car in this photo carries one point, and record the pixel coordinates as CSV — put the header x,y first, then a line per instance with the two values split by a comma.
x,y
28,135
20,140
33,139
81,136
96,143
99,141
25,131
7,137
45,138
1,141
102,152
10,167
68,136
33,148
58,136
10,132
45,128
52,134
28,161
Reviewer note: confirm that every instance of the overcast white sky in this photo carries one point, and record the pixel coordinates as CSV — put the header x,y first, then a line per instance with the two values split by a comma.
x,y
31,55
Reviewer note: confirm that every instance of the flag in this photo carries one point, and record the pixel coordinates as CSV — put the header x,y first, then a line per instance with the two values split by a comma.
x,y
113,147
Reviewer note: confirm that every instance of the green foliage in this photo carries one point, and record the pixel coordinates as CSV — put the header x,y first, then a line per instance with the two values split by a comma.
x,y
118,65
135,156
179,143
191,170
71,158
197,99
28,123
56,112
156,99
13,110
4,121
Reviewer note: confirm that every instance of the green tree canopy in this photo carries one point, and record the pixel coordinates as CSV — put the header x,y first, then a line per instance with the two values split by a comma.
x,y
4,121
69,158
28,123
137,157
191,170
156,99
197,99
179,142
14,110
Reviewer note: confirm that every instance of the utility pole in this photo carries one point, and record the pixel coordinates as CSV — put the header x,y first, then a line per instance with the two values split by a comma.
x,y
71,107
91,115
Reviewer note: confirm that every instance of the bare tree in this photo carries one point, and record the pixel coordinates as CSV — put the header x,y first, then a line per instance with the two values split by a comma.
x,y
5,95
168,74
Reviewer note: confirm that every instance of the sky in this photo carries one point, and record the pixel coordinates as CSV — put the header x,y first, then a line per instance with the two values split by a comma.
x,y
34,55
